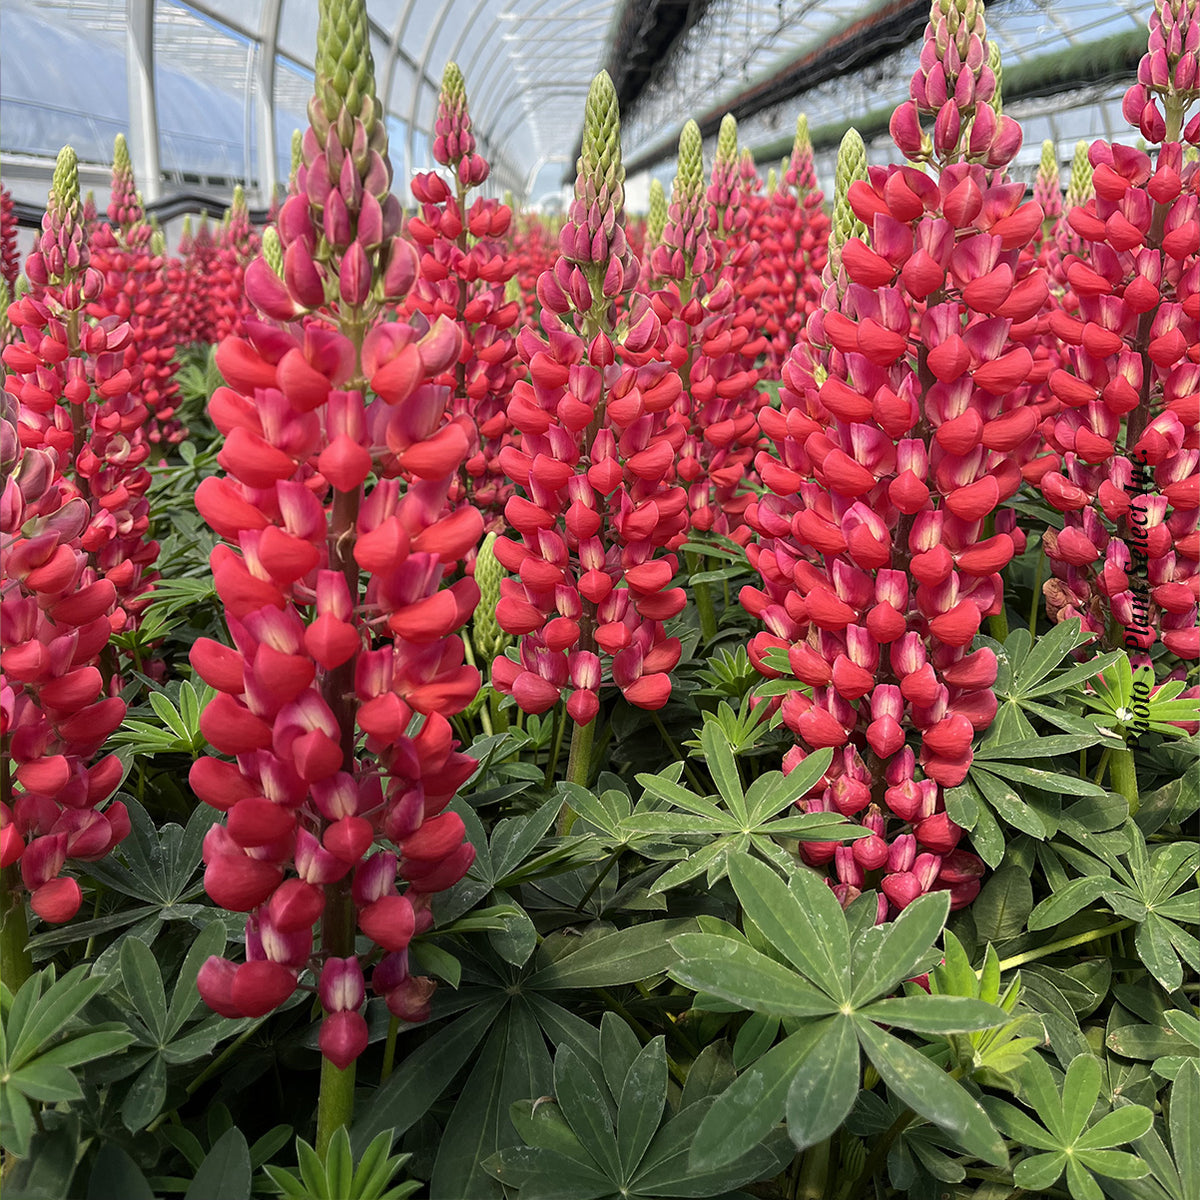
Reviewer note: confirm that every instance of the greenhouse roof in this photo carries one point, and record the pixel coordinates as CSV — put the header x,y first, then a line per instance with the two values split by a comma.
x,y
211,90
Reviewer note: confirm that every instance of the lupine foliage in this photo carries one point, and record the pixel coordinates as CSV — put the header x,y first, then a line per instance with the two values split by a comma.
x,y
849,535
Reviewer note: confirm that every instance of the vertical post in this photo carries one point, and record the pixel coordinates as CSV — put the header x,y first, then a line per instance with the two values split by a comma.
x,y
143,110
264,101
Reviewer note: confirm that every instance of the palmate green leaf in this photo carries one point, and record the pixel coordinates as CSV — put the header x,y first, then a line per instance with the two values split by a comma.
x,y
641,1103
1184,1121
936,1014
1080,1091
513,1064
904,944
540,1174
45,1082
741,975
586,1110
692,866
773,790
744,1114
225,1172
1117,1128
823,1091
624,956
666,1170
1067,901
1047,781
38,1014
718,757
811,934
681,797
144,985
930,1092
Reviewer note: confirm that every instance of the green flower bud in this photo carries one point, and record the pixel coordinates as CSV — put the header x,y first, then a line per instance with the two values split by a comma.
x,y
727,147
1079,185
490,640
272,250
656,219
851,166
996,101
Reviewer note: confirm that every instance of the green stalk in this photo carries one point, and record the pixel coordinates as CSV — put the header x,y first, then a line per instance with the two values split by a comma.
x,y
1069,943
704,600
389,1049
813,1182
16,965
335,1103
1123,774
579,764
1035,606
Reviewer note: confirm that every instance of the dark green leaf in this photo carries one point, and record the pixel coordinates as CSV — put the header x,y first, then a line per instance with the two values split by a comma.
x,y
423,1076
115,1176
813,939
904,944
823,1090
225,1172
641,1105
586,1109
741,975
621,957
929,1091
1001,908
743,1115
936,1014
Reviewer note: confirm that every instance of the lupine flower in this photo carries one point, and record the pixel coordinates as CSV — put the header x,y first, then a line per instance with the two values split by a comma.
x,y
54,605
792,230
134,291
345,665
594,459
75,396
1129,483
10,262
236,249
465,268
713,343
895,438
194,313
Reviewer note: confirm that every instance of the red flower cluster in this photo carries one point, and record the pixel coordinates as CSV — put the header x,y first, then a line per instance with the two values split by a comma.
x,y
902,410
1128,433
791,228
335,695
236,249
54,605
10,263
464,269
595,461
135,284
712,341
76,398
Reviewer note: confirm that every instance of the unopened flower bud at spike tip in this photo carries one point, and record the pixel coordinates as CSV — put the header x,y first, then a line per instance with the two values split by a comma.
x,y
994,62
727,144
656,218
851,166
64,187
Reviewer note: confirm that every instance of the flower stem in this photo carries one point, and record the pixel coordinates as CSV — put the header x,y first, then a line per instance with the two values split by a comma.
x,y
579,764
389,1049
707,612
16,965
1079,939
335,1104
1035,605
1123,774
